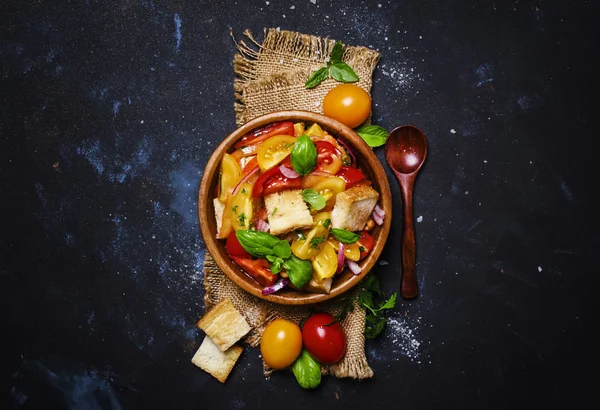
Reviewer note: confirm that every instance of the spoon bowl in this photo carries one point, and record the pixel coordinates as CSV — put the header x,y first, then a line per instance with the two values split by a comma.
x,y
405,152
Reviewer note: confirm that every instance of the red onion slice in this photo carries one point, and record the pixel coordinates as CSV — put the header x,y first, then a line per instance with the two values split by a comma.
x,y
378,220
237,187
288,173
348,149
262,226
341,257
280,284
354,267
379,211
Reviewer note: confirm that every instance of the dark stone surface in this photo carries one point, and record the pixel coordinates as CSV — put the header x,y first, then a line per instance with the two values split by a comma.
x,y
109,111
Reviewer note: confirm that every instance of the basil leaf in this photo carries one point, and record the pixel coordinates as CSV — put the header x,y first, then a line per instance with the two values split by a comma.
x,y
336,52
307,371
345,236
374,135
343,72
317,77
282,249
304,155
316,200
276,264
257,243
299,271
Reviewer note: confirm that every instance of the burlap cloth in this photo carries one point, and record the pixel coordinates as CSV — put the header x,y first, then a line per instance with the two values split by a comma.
x,y
270,77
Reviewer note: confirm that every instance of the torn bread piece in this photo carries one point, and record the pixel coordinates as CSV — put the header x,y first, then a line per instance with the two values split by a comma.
x,y
215,362
224,324
219,208
353,207
287,211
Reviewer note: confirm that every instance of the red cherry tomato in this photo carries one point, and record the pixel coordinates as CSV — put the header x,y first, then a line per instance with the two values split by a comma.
x,y
234,247
262,134
273,180
324,338
258,269
365,244
351,175
329,158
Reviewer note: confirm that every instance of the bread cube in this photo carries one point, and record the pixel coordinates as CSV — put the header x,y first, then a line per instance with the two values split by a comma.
x,y
287,211
353,207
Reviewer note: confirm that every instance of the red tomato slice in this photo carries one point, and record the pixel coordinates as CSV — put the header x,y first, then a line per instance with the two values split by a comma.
x,y
261,134
258,269
328,157
274,181
234,247
351,175
249,167
324,338
365,243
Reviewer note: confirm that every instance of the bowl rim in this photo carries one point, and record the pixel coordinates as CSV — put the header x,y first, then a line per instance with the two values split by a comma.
x,y
206,209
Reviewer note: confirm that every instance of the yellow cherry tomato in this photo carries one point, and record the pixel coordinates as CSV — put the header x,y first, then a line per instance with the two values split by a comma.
x,y
311,245
325,263
240,207
281,343
230,176
351,251
347,103
274,150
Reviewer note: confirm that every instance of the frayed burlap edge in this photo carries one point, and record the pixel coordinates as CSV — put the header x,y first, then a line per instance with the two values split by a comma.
x,y
259,313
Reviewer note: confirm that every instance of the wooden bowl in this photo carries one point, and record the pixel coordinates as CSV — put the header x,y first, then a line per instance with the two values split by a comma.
x,y
368,162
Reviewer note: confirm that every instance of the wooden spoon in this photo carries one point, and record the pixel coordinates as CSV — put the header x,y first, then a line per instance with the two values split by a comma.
x,y
405,152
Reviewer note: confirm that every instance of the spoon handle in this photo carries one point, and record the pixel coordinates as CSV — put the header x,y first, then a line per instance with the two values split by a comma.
x,y
409,289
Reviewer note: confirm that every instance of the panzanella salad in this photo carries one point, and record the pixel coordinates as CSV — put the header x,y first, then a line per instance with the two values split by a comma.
x,y
294,207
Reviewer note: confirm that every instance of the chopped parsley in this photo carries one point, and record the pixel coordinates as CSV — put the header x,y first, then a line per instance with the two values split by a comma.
x,y
234,209
274,212
242,219
362,249
327,222
244,191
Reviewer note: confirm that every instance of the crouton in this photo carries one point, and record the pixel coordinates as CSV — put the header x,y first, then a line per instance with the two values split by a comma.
x,y
287,211
353,208
219,208
215,362
315,286
224,324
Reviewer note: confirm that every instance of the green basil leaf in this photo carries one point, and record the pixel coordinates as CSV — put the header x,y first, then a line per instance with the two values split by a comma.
x,y
316,200
317,77
299,271
374,135
343,72
282,249
336,52
345,236
276,264
307,370
304,155
257,243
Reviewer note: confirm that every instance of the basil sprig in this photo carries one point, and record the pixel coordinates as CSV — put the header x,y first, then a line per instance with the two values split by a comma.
x,y
304,155
307,370
278,252
316,200
335,69
343,235
299,271
374,135
262,244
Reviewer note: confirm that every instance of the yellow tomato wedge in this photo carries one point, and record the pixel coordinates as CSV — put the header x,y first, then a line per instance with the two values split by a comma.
x,y
274,150
310,246
329,187
351,251
325,263
315,130
299,129
229,177
240,209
